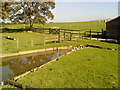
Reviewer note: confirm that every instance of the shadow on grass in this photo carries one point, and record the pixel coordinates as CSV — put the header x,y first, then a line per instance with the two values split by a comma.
x,y
114,41
96,36
50,42
7,30
38,44
111,41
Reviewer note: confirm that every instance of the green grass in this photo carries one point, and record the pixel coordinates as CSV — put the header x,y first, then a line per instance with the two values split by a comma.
x,y
9,87
10,46
86,68
97,68
83,26
24,39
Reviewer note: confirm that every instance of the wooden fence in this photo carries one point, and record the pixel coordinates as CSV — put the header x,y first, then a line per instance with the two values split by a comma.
x,y
50,39
63,35
93,34
72,33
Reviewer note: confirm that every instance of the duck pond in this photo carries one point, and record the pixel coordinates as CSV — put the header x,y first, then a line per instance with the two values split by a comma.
x,y
16,65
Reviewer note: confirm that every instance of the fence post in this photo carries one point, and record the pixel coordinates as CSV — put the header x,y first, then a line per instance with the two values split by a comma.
x,y
49,31
59,35
70,36
53,48
79,34
64,35
43,31
97,35
57,48
102,30
102,33
106,36
32,42
17,43
44,41
90,34
84,34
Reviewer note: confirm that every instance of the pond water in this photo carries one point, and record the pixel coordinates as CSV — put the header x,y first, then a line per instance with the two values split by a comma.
x,y
14,66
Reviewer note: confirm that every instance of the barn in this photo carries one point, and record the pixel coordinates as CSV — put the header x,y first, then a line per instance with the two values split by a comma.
x,y
113,29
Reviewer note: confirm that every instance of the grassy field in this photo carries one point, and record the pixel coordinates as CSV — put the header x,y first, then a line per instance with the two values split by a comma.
x,y
86,68
9,46
9,87
24,39
83,26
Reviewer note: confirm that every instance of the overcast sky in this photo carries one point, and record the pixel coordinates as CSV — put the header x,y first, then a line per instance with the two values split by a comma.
x,y
84,11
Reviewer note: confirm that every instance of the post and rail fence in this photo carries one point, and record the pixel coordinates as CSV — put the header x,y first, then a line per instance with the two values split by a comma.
x,y
64,35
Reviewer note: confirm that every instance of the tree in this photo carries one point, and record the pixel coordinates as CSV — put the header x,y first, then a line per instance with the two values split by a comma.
x,y
28,12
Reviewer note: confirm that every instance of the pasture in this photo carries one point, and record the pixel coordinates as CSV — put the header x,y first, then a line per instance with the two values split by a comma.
x,y
32,41
86,68
24,40
83,26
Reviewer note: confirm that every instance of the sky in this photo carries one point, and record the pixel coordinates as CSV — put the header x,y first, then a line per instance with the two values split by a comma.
x,y
86,0
73,11
84,10
119,8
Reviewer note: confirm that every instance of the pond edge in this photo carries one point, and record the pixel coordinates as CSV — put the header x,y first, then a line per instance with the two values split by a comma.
x,y
33,51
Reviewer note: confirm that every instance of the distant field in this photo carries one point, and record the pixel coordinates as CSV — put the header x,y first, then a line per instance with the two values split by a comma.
x,y
86,68
84,26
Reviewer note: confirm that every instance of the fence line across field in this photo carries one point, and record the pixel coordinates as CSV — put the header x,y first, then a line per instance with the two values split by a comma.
x,y
46,39
79,33
64,35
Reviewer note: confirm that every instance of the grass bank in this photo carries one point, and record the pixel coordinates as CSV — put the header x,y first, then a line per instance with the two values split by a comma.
x,y
86,68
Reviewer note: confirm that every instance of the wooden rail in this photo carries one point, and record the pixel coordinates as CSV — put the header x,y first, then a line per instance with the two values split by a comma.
x,y
71,33
90,34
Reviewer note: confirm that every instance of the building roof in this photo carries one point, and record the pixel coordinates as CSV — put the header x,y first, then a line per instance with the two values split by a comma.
x,y
116,19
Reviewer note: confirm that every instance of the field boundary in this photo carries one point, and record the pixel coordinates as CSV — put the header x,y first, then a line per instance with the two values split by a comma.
x,y
47,49
33,51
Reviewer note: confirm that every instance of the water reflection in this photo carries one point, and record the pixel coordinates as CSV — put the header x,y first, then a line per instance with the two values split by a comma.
x,y
13,66
7,72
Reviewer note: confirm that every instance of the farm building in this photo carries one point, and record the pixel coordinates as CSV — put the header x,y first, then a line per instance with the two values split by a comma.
x,y
113,29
